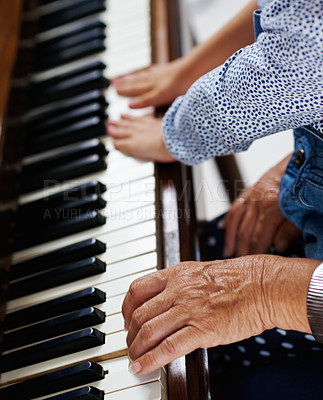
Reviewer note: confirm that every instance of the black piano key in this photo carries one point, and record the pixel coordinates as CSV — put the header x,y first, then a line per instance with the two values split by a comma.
x,y
62,346
71,13
56,199
65,211
78,224
55,277
69,104
79,150
89,30
87,128
84,49
85,393
68,87
68,323
77,114
69,210
65,76
52,308
71,170
75,252
63,379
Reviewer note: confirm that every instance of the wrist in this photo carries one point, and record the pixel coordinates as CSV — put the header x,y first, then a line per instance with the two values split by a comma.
x,y
315,303
286,282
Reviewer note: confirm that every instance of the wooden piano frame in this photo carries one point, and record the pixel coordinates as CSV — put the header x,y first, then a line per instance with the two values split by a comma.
x,y
187,376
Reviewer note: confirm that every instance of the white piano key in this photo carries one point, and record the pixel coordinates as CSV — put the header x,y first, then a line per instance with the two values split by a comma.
x,y
114,323
129,250
113,306
150,391
138,24
118,377
143,170
115,344
129,189
116,6
125,41
120,207
126,46
132,217
129,234
122,285
121,380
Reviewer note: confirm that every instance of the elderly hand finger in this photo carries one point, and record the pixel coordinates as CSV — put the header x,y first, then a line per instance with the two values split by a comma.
x,y
286,234
264,233
141,290
151,309
231,224
154,331
245,231
178,344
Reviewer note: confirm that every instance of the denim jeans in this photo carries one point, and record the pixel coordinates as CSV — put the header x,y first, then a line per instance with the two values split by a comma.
x,y
301,190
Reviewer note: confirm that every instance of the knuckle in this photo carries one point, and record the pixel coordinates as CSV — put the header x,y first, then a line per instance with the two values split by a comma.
x,y
134,289
151,359
131,353
146,331
137,319
170,346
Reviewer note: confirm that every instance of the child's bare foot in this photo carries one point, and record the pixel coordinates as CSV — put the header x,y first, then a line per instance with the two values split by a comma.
x,y
140,137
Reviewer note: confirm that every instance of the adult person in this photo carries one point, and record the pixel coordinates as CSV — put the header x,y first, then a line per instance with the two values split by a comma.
x,y
269,86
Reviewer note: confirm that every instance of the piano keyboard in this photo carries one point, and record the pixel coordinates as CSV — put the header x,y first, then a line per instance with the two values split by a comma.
x,y
71,271
107,380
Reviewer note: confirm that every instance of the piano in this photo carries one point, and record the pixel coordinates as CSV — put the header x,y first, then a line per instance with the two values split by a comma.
x,y
79,221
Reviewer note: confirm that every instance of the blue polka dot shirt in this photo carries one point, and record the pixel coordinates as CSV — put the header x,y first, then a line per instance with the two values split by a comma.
x,y
270,86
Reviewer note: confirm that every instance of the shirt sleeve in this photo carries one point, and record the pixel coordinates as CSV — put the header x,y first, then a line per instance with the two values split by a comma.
x,y
270,86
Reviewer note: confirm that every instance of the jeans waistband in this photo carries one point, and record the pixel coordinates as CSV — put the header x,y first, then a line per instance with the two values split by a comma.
x,y
314,137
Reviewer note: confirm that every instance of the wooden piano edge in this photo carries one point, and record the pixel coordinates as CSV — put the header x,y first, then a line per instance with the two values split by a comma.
x,y
188,377
14,69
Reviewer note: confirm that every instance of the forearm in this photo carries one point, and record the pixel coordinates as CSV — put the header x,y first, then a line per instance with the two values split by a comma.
x,y
218,48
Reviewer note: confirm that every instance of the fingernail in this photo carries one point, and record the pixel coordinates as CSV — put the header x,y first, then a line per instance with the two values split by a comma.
x,y
135,368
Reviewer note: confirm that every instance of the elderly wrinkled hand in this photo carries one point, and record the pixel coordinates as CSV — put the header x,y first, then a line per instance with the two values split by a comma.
x,y
193,304
254,221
